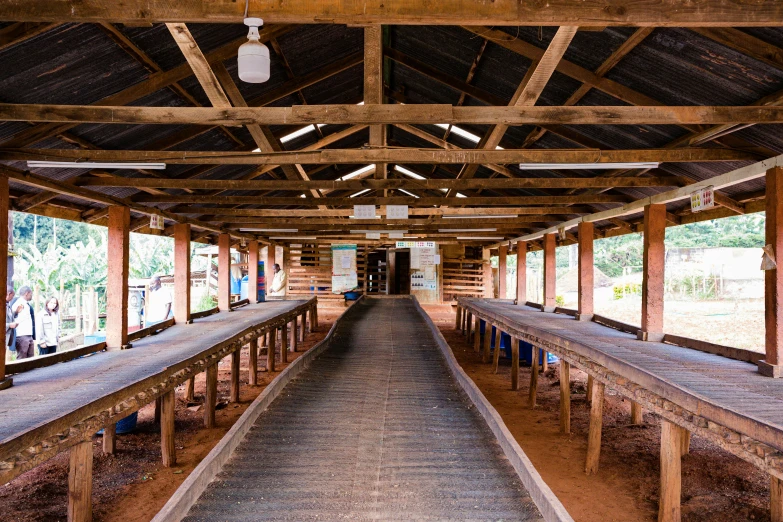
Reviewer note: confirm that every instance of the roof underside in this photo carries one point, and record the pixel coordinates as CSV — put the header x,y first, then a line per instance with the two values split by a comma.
x,y
84,64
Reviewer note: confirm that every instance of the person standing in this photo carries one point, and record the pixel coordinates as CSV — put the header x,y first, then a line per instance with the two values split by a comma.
x,y
25,324
47,327
279,285
10,321
158,304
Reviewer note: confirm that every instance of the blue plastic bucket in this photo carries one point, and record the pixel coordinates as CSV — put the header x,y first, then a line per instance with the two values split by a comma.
x,y
126,425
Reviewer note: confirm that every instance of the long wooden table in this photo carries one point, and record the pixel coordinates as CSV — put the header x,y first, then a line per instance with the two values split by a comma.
x,y
723,400
54,408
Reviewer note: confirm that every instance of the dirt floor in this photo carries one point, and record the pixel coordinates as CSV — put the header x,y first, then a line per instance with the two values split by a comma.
x,y
716,485
132,485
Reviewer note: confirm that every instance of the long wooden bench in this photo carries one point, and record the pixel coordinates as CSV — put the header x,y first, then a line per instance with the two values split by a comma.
x,y
722,399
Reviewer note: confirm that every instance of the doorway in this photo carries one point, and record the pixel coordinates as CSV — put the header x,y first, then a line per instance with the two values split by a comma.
x,y
399,272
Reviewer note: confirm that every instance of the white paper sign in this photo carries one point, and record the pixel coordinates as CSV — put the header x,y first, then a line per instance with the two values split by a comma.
x,y
364,211
156,222
373,235
702,199
396,235
397,211
437,259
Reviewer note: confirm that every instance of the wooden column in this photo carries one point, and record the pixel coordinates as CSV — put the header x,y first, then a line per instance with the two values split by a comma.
x,y
302,327
496,356
314,328
533,391
521,272
269,263
167,448
550,273
468,326
565,396
594,431
294,328
110,439
234,385
4,205
477,336
252,271
653,261
270,350
487,342
210,397
190,394
284,343
458,318
117,282
252,363
671,472
775,499
773,279
182,273
224,272
589,390
487,279
80,483
502,269
585,285
637,413
514,363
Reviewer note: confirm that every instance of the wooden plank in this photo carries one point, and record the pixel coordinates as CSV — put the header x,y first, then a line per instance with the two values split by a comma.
x,y
167,447
80,483
210,396
25,365
565,396
594,431
671,473
392,200
440,12
394,114
198,62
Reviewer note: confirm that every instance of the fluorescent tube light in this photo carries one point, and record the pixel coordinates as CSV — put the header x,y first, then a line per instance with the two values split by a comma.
x,y
408,173
93,165
467,230
408,193
365,191
500,216
359,172
589,166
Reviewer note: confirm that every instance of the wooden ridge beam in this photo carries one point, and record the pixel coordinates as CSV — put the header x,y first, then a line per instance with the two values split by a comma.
x,y
19,32
391,155
383,184
394,114
411,201
682,13
465,213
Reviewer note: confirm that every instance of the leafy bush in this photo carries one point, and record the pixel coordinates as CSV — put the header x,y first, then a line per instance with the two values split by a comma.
x,y
621,291
560,300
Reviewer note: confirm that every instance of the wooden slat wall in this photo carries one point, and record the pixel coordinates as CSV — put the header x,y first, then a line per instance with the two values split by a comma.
x,y
462,278
317,271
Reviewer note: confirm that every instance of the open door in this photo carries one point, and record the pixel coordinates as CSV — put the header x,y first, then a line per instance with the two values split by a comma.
x,y
398,265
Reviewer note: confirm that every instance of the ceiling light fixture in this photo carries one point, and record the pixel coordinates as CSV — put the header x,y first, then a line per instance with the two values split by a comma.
x,y
588,166
253,56
93,165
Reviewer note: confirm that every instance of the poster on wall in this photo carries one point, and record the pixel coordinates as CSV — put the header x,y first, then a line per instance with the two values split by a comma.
x,y
344,278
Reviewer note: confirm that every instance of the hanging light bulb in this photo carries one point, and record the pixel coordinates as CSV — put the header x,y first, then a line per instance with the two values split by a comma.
x,y
253,57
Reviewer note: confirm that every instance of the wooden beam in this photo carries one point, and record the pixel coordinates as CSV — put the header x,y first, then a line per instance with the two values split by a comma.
x,y
411,201
393,114
391,155
373,87
440,12
746,44
469,213
376,184
198,62
19,32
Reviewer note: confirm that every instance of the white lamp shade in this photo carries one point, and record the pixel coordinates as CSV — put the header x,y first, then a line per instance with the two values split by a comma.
x,y
253,61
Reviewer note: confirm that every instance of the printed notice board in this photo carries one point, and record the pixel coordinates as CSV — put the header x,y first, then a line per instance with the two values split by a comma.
x,y
344,278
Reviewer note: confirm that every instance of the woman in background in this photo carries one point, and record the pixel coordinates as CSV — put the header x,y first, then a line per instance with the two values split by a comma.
x,y
47,328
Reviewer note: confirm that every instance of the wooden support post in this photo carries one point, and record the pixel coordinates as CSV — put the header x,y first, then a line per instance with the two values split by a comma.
x,y
477,335
685,448
594,431
110,439
772,365
157,410
544,361
224,272
463,320
521,273
496,355
487,275
284,343
637,413
234,385
294,328
775,499
502,270
182,273
5,382
469,326
671,472
585,279
459,318
315,314
210,397
654,258
167,449
487,341
550,273
252,271
533,391
252,373
514,363
80,483
589,391
270,350
303,327
190,394
565,397
117,281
